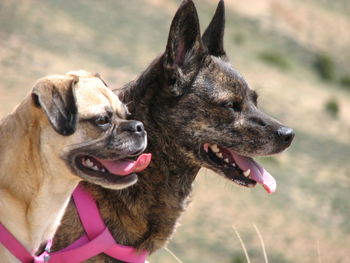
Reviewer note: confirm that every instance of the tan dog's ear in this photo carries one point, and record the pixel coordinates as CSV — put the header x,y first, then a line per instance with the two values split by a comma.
x,y
97,75
56,97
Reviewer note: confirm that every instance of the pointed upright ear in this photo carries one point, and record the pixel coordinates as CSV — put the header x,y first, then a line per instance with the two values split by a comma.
x,y
57,99
184,47
213,37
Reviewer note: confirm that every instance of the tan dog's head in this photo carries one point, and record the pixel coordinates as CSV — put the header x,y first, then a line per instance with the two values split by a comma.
x,y
83,130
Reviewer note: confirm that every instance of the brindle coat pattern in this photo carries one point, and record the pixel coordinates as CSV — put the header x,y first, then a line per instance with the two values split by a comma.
x,y
188,96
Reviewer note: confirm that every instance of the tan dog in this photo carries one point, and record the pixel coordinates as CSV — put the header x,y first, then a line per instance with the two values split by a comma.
x,y
67,129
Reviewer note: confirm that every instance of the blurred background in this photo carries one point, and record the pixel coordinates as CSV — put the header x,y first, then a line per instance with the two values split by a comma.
x,y
295,53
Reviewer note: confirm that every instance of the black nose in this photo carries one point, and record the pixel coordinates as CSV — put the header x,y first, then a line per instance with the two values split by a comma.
x,y
285,134
133,127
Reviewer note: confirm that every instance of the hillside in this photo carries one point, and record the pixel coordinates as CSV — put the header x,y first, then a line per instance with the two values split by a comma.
x,y
277,46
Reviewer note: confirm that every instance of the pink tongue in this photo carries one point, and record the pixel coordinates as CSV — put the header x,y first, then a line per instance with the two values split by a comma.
x,y
126,167
257,172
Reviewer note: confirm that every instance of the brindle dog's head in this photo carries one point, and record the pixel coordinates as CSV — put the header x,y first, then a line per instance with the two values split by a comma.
x,y
83,129
209,106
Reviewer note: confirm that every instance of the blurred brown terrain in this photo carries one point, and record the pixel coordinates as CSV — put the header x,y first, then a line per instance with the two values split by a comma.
x,y
296,54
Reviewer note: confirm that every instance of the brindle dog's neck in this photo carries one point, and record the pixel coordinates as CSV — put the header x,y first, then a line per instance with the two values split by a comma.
x,y
146,213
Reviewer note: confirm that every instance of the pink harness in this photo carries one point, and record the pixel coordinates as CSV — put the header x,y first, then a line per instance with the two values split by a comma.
x,y
19,251
97,239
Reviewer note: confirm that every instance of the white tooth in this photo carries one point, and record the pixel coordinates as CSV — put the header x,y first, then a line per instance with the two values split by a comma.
x,y
95,168
219,155
214,148
246,173
103,170
226,160
89,163
233,164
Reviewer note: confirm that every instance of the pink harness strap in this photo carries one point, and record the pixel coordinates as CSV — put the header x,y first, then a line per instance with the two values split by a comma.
x,y
98,238
19,251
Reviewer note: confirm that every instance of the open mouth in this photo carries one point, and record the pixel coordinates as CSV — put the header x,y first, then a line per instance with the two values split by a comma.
x,y
112,170
242,170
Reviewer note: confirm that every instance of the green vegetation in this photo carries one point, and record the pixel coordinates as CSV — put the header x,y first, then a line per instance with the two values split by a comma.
x,y
239,259
345,82
332,107
324,67
275,59
238,38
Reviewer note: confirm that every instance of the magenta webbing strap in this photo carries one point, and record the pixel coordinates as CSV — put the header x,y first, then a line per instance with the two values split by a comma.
x,y
81,241
127,254
93,224
88,212
15,247
85,251
98,238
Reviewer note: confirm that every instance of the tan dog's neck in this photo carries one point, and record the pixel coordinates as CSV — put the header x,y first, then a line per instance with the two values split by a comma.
x,y
41,199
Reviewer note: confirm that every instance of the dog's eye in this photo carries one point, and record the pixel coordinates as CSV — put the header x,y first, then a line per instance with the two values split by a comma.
x,y
236,106
103,121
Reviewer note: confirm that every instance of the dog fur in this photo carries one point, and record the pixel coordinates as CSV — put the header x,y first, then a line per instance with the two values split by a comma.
x,y
40,140
188,96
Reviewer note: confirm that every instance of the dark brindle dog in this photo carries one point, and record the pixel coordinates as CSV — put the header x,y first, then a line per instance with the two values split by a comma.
x,y
198,111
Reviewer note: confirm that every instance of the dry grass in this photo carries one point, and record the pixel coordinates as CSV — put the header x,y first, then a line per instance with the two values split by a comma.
x,y
261,242
313,177
244,247
242,243
173,255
